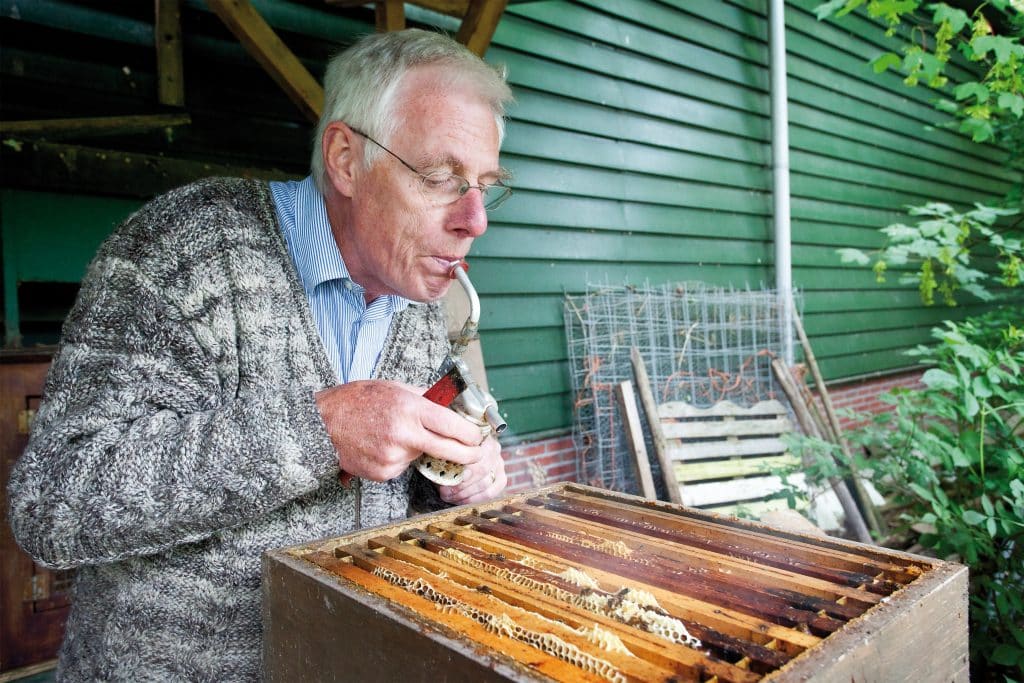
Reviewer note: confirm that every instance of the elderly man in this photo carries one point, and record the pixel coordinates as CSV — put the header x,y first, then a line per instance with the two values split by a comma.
x,y
238,349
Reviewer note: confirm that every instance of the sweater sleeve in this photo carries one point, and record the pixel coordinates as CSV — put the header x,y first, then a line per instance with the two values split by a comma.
x,y
157,428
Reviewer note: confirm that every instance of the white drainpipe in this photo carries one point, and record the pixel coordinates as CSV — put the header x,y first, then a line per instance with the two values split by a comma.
x,y
780,171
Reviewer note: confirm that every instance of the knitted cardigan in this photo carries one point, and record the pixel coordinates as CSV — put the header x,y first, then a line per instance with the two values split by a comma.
x,y
178,438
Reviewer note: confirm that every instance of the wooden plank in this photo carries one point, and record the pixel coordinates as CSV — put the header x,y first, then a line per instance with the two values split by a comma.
x,y
94,125
721,449
169,65
753,508
260,40
389,15
745,573
710,430
727,621
397,561
716,493
731,468
53,166
479,23
454,8
635,436
645,648
680,409
643,384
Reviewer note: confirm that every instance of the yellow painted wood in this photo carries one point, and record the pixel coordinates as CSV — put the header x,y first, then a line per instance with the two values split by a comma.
x,y
734,467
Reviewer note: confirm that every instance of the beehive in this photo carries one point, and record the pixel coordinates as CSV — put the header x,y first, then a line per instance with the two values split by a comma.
x,y
572,583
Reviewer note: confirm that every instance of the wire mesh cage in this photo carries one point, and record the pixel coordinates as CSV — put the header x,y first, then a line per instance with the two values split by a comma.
x,y
700,344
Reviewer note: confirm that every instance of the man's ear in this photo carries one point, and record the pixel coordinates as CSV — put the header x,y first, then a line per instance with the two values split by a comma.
x,y
343,157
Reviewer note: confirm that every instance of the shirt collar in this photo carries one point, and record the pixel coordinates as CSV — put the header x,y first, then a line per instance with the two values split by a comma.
x,y
317,257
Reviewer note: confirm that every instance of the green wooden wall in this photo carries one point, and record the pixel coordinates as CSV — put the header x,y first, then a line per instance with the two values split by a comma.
x,y
640,144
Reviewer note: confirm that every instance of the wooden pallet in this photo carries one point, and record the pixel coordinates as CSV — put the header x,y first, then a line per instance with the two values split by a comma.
x,y
485,594
723,456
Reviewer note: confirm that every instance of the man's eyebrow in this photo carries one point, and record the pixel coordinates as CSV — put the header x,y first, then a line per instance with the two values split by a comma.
x,y
455,165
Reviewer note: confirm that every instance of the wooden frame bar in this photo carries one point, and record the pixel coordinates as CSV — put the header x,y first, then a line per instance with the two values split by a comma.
x,y
397,602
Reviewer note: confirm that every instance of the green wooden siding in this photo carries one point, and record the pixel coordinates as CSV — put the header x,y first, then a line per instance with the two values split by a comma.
x,y
639,143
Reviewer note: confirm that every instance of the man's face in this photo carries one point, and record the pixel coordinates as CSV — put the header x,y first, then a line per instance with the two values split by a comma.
x,y
396,240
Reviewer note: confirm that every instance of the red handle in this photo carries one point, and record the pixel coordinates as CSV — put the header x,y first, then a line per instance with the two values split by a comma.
x,y
446,389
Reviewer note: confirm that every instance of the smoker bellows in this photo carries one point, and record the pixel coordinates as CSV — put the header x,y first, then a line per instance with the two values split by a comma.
x,y
572,583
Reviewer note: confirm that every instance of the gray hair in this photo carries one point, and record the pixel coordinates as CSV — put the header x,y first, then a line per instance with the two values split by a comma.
x,y
360,84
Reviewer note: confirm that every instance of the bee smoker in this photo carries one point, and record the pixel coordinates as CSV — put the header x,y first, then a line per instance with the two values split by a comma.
x,y
457,390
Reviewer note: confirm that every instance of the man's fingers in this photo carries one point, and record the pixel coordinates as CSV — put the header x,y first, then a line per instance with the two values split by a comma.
x,y
445,422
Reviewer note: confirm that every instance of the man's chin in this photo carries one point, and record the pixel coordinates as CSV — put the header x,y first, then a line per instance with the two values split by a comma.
x,y
431,292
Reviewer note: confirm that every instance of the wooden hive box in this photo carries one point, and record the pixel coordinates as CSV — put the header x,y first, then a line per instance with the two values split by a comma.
x,y
572,583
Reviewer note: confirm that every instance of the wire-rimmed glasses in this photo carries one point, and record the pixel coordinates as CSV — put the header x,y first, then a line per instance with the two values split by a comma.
x,y
443,188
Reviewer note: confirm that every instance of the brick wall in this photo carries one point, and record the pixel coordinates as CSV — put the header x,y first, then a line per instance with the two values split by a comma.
x,y
532,464
862,395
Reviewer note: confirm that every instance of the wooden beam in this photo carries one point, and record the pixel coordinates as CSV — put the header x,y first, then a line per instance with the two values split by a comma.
x,y
635,438
169,69
273,55
454,8
390,15
42,165
479,23
643,387
94,126
479,17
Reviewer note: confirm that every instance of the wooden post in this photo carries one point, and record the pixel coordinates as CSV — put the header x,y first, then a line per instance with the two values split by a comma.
x,y
635,435
389,15
854,520
479,24
169,69
874,519
643,385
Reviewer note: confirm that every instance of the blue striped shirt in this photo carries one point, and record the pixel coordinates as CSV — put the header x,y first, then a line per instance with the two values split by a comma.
x,y
352,332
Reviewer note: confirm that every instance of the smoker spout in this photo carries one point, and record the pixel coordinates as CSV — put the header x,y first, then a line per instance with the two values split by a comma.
x,y
470,327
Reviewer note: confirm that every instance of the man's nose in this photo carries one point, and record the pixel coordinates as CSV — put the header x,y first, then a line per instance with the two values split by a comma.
x,y
469,216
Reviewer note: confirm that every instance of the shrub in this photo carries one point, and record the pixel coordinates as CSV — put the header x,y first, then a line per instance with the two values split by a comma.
x,y
950,459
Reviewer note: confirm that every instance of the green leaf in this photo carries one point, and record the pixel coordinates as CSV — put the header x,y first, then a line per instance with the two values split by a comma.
x,y
979,129
957,18
922,492
990,525
980,387
959,459
986,504
1002,46
827,9
971,88
1013,102
973,517
1007,655
939,380
853,256
971,406
886,60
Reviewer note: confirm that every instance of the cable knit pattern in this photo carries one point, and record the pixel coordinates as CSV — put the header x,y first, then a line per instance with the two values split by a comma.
x,y
178,438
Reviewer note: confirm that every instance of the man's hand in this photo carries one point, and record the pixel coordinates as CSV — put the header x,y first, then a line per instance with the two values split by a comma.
x,y
483,480
379,427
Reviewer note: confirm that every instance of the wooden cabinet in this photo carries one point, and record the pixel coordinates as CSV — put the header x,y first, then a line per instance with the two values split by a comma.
x,y
33,601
